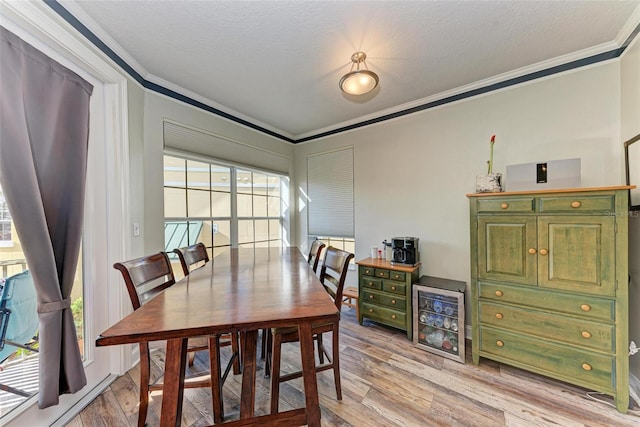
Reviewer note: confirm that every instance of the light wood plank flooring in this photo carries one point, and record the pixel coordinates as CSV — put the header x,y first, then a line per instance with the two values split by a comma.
x,y
386,382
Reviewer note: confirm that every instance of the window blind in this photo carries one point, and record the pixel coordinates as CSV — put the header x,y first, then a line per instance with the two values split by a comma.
x,y
330,191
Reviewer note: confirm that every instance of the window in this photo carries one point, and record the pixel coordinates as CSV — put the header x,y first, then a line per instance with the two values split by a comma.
x,y
330,193
345,244
222,205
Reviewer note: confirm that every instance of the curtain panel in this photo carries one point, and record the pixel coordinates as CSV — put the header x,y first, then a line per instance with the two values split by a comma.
x,y
44,129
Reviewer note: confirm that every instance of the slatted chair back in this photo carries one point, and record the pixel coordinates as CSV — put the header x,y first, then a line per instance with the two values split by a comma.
x,y
146,277
334,272
191,255
314,254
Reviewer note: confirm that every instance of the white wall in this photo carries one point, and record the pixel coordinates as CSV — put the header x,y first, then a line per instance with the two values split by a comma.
x,y
412,174
630,127
268,153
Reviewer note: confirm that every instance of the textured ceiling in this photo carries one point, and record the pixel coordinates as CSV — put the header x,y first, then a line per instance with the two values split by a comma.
x,y
277,63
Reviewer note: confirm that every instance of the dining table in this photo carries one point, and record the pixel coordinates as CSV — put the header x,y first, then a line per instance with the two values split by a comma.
x,y
240,290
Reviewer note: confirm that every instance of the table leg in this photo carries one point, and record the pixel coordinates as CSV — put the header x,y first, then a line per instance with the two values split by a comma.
x,y
248,394
173,388
309,375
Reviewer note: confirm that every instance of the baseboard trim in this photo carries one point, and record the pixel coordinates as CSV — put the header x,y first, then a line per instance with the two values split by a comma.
x,y
84,402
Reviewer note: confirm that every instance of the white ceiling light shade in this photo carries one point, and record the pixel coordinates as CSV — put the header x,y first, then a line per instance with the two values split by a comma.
x,y
359,82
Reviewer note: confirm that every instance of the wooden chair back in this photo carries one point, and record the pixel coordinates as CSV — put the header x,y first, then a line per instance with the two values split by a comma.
x,y
191,255
334,272
146,277
314,254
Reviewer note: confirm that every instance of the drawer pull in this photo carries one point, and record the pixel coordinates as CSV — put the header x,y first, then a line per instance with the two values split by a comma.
x,y
500,343
504,205
586,334
395,276
393,288
532,251
393,316
585,307
576,204
499,316
371,310
499,293
543,252
381,274
371,297
370,283
393,301
586,367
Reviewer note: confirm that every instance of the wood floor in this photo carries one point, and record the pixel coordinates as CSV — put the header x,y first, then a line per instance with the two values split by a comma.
x,y
386,381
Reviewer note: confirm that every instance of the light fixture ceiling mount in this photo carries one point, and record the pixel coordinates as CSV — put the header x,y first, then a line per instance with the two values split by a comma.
x,y
359,82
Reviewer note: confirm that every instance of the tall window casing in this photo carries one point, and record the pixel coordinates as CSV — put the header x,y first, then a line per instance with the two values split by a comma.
x,y
330,192
222,205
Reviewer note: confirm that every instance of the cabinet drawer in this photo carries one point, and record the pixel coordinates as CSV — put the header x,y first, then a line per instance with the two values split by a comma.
x,y
397,275
576,204
593,335
384,315
394,287
392,301
589,369
590,308
520,204
368,271
382,273
370,283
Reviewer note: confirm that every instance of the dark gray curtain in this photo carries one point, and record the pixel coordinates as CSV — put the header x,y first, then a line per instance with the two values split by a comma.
x,y
44,129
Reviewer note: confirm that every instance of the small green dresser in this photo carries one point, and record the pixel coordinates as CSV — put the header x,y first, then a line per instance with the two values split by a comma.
x,y
549,284
385,293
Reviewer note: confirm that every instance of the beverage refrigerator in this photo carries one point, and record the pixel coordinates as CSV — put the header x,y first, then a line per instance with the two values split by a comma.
x,y
438,317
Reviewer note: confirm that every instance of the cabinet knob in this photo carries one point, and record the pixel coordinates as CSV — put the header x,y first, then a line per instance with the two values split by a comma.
x,y
585,307
532,251
371,296
576,204
393,316
393,301
499,316
504,205
393,288
499,293
381,274
543,252
370,283
395,276
586,367
500,343
586,334
371,310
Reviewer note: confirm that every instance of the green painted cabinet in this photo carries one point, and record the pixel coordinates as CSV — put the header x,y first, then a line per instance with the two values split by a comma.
x,y
549,288
385,293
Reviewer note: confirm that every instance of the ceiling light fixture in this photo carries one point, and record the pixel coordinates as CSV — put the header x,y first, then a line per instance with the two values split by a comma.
x,y
359,82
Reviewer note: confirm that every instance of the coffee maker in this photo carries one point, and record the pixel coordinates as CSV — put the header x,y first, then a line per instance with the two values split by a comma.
x,y
405,250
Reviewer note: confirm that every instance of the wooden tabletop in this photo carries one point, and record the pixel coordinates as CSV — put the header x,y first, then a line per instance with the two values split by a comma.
x,y
554,190
243,289
382,263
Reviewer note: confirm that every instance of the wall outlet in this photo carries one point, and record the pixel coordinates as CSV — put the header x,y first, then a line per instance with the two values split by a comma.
x,y
214,227
136,229
634,389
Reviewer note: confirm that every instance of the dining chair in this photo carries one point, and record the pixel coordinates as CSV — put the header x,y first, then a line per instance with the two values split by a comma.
x,y
314,254
192,255
332,276
313,260
145,278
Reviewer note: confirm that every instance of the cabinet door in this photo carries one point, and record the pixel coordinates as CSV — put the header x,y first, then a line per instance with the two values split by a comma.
x,y
577,253
503,249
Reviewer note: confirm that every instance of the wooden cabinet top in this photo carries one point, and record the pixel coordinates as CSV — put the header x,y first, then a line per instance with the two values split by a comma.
x,y
557,190
381,263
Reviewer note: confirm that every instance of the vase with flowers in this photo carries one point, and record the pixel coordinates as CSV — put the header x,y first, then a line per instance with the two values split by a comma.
x,y
489,182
